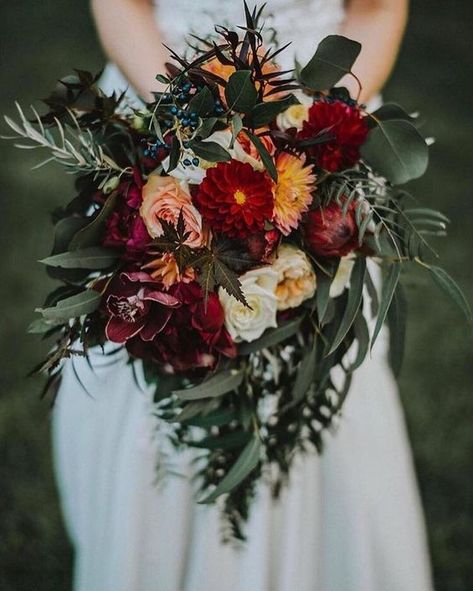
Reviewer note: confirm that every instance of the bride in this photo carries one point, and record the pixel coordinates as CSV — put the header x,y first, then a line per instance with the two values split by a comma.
x,y
350,519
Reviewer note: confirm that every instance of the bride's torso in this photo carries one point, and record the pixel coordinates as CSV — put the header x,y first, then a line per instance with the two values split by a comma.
x,y
303,22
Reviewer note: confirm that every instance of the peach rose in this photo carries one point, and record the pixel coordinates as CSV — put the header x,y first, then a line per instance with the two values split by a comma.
x,y
163,199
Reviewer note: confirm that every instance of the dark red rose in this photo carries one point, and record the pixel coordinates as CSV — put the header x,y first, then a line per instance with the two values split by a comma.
x,y
330,233
136,307
234,199
348,126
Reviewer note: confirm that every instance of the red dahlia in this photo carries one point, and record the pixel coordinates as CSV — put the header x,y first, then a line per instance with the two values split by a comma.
x,y
235,199
348,126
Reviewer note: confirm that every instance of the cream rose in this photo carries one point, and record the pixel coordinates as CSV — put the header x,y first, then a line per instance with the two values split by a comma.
x,y
163,199
248,324
296,277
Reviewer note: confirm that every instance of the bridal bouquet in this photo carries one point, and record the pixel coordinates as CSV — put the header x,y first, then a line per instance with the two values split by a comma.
x,y
225,234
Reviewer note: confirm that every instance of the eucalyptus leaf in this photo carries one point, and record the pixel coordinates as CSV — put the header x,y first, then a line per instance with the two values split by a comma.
x,y
91,234
245,464
387,294
272,336
202,102
362,336
231,440
333,59
240,92
264,113
397,316
264,154
396,150
210,151
217,385
85,302
389,111
451,288
305,373
355,295
94,257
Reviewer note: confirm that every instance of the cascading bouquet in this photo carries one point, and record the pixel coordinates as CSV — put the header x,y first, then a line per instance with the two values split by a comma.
x,y
221,235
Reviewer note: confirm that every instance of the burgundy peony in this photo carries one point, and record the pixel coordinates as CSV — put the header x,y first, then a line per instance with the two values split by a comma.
x,y
328,232
124,227
348,126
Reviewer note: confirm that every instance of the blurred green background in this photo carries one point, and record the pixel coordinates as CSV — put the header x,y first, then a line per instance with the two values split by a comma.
x,y
41,41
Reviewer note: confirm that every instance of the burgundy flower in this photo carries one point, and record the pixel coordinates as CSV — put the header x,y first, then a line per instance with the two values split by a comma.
x,y
262,245
330,233
136,306
181,334
124,227
348,126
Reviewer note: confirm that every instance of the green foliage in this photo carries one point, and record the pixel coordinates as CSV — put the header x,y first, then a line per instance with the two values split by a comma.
x,y
93,257
333,59
216,385
84,302
240,92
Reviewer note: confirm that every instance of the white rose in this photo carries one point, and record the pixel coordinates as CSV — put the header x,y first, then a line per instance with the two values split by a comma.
x,y
342,276
296,277
248,324
295,115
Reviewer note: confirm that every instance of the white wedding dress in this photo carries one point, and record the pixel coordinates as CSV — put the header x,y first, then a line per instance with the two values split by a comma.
x,y
350,520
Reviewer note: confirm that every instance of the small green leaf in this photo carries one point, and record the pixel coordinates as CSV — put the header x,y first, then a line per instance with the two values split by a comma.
x,y
217,385
85,302
272,336
305,373
397,315
322,295
265,155
210,151
245,464
387,294
228,441
206,128
216,418
355,295
202,102
389,111
93,257
240,92
333,59
396,150
237,126
265,113
451,288
362,336
174,155
91,234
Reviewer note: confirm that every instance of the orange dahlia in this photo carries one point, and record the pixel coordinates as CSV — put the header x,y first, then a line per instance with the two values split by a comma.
x,y
235,199
292,192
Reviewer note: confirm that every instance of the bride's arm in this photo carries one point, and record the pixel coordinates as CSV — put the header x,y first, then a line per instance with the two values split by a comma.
x,y
131,38
379,26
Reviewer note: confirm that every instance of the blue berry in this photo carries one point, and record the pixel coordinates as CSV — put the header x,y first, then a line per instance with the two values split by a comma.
x,y
195,161
187,162
174,110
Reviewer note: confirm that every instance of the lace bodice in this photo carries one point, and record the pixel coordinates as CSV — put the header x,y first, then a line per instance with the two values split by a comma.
x,y
304,22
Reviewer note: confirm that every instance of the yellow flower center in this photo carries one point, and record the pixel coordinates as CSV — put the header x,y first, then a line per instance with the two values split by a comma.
x,y
239,197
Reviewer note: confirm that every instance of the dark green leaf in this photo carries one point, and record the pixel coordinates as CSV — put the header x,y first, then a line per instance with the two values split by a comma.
x,y
333,59
245,464
206,128
216,418
322,295
217,385
355,295
92,233
240,92
210,151
272,336
228,279
94,257
265,113
451,288
305,373
362,337
227,441
396,150
264,154
389,111
174,154
387,294
202,102
237,126
85,302
397,315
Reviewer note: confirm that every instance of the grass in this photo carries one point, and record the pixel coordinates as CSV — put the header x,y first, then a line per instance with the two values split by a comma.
x,y
42,41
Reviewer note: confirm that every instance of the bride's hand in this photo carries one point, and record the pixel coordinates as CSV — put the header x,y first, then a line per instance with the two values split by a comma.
x,y
131,38
379,26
